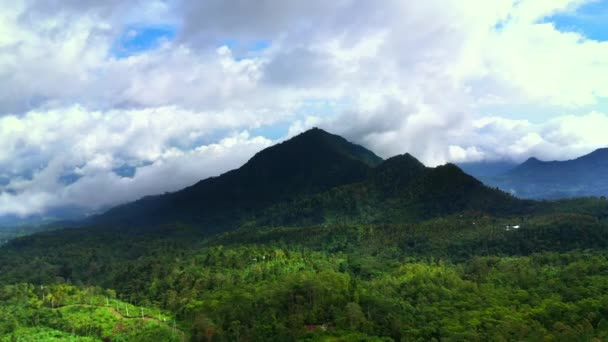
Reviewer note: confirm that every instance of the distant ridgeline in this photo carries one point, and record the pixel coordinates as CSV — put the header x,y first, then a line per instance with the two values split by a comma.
x,y
535,179
318,177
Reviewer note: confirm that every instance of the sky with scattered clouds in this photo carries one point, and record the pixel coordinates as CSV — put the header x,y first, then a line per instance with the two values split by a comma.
x,y
103,102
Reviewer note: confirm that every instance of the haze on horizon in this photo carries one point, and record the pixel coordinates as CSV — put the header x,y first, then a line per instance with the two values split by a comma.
x,y
104,102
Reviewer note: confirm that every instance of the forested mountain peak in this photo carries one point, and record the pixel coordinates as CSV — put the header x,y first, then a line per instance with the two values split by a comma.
x,y
450,177
314,145
403,161
309,163
398,169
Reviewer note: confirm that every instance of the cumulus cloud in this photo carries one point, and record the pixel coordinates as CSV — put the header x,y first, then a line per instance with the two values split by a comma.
x,y
92,145
397,76
488,138
563,137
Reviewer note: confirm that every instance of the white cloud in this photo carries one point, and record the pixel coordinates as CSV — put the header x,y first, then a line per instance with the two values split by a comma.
x,y
458,154
547,66
172,171
561,138
82,135
91,147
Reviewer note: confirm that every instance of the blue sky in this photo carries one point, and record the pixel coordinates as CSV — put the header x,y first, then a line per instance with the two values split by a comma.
x,y
589,20
136,39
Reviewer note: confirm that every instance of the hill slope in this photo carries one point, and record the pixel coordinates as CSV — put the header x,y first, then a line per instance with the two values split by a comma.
x,y
401,189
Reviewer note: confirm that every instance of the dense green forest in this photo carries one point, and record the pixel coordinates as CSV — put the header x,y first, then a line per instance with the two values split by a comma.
x,y
468,276
359,250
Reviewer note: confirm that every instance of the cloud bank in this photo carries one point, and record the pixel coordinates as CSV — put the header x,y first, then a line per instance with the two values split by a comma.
x,y
105,102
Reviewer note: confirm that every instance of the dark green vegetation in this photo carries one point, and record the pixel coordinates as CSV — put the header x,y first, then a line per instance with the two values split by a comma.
x,y
391,251
313,178
8,233
452,278
584,176
310,163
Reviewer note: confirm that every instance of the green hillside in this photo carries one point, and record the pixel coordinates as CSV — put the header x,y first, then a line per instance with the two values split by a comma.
x,y
62,312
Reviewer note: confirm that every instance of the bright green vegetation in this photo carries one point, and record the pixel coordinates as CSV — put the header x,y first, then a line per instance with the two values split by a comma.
x,y
329,246
43,334
66,313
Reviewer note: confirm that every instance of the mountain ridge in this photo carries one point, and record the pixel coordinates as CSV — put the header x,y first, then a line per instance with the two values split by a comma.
x,y
309,178
537,179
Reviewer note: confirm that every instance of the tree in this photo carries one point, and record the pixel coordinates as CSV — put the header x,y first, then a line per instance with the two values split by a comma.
x,y
203,329
354,316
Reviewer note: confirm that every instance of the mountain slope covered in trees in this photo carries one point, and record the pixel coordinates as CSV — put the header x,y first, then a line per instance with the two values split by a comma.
x,y
399,190
316,177
311,162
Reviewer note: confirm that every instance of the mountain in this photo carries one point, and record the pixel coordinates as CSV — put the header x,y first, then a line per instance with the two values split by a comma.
x,y
62,214
583,176
309,163
312,178
399,190
485,168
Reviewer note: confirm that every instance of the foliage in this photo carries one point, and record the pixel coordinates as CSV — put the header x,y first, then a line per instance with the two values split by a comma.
x,y
309,163
459,277
62,312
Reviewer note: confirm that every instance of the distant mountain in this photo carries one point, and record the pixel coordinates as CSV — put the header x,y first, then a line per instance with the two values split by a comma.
x,y
584,176
309,163
486,168
62,215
